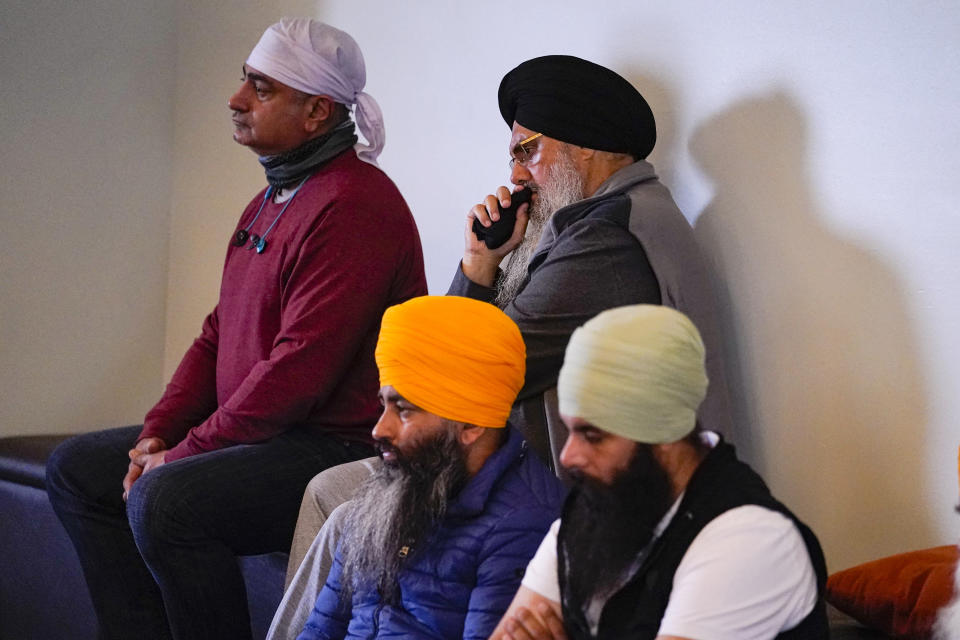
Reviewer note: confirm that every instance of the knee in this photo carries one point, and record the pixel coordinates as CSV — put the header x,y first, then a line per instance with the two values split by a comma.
x,y
315,493
90,467
334,486
156,512
65,469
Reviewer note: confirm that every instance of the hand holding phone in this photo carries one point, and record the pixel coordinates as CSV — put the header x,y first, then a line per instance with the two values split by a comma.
x,y
501,230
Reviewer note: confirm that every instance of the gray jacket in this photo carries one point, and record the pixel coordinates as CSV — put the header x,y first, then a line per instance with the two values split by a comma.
x,y
626,244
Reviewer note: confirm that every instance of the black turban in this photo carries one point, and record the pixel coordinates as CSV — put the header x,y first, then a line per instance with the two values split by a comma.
x,y
578,102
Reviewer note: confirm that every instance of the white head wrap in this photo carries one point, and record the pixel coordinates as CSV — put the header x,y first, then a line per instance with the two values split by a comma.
x,y
318,59
637,372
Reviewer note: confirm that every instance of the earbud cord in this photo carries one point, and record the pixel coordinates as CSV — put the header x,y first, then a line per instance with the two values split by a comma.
x,y
261,242
263,239
266,196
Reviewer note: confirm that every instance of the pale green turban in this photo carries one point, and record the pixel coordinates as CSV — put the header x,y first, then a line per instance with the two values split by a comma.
x,y
637,372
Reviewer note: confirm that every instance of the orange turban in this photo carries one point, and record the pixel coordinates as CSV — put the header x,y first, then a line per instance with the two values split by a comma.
x,y
458,358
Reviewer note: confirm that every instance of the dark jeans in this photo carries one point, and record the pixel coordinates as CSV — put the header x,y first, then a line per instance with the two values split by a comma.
x,y
163,565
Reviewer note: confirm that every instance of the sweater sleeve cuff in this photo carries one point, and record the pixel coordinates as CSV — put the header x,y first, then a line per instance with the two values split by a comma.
x,y
178,452
467,288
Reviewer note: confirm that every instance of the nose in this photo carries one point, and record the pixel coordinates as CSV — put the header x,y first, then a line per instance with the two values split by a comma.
x,y
238,101
571,456
519,174
386,427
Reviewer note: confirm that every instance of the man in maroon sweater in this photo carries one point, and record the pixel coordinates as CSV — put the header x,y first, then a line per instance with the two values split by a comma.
x,y
282,381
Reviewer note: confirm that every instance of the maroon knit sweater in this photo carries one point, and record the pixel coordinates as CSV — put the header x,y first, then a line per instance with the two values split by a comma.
x,y
291,341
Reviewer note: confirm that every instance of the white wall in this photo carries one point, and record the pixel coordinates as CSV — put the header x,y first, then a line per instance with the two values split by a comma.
x,y
213,177
813,146
85,139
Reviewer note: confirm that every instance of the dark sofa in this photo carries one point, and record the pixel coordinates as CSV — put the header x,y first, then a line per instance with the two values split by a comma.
x,y
42,592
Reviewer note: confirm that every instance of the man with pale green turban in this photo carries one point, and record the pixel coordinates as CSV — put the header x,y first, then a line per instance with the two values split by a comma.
x,y
666,535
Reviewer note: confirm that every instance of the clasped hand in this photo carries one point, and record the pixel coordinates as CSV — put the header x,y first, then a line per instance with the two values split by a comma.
x,y
479,262
543,624
146,455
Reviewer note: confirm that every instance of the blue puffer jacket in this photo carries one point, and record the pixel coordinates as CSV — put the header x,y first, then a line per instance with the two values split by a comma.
x,y
460,583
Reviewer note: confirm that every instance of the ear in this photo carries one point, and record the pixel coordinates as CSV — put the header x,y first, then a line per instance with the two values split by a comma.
x,y
319,112
583,158
470,434
585,153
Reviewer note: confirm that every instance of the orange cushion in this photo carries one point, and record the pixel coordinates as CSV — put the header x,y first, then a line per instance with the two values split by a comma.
x,y
899,595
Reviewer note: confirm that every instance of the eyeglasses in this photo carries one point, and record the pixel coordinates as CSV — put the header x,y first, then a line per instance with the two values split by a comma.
x,y
523,156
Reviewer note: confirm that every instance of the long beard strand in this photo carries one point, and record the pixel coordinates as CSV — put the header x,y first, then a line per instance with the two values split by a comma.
x,y
563,186
395,508
610,525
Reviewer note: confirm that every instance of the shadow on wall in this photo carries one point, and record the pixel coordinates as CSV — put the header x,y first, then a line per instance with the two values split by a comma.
x,y
659,97
832,400
664,159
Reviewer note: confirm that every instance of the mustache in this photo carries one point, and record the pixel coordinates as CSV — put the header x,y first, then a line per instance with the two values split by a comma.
x,y
589,485
384,446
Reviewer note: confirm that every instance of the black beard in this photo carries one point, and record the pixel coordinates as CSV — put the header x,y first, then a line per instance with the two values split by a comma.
x,y
606,527
397,508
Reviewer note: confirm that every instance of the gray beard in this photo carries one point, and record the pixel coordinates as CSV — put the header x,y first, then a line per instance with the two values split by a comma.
x,y
398,507
563,186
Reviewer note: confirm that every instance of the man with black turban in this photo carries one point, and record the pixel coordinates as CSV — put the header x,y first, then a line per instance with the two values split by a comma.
x,y
601,230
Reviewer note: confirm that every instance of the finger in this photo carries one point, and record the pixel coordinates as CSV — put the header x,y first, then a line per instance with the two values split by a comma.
x,y
153,461
492,204
132,474
552,620
530,623
515,631
150,445
503,195
479,212
150,461
523,214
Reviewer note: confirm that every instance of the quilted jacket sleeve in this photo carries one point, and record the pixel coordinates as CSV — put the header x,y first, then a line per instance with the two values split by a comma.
x,y
506,552
329,618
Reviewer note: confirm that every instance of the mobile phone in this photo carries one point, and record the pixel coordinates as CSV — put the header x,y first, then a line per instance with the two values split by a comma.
x,y
501,230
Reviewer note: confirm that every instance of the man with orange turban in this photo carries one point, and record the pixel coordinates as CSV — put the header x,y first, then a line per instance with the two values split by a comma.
x,y
435,541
